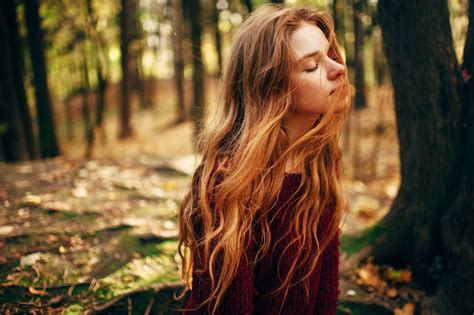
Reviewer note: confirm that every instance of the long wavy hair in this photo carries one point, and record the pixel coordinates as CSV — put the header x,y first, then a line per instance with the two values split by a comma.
x,y
245,149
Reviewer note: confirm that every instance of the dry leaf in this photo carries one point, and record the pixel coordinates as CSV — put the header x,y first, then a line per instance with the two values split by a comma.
x,y
370,276
391,293
37,292
408,309
31,200
398,276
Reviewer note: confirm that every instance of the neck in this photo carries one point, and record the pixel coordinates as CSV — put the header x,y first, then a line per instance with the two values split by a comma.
x,y
295,127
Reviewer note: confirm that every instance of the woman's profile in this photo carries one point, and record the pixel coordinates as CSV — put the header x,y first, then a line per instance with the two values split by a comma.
x,y
259,227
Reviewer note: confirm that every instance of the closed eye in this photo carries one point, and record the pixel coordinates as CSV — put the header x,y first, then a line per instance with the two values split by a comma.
x,y
312,69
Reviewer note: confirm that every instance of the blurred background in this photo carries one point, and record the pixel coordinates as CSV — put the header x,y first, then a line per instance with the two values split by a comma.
x,y
99,104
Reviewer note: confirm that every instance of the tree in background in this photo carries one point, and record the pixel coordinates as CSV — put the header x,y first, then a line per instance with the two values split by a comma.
x,y
430,225
359,35
248,5
178,60
17,64
12,137
125,127
217,34
44,114
193,9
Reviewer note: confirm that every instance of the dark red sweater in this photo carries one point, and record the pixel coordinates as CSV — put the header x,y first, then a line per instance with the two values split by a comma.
x,y
247,293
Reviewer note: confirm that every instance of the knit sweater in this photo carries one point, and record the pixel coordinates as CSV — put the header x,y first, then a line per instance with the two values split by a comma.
x,y
249,290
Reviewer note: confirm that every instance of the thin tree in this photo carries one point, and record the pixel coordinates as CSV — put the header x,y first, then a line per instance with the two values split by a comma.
x,y
217,35
178,61
359,34
101,68
44,114
197,110
125,126
248,5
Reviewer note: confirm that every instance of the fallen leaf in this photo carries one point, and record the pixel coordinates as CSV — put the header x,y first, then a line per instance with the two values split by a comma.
x,y
31,200
408,309
30,259
370,276
391,293
6,229
33,291
79,192
398,276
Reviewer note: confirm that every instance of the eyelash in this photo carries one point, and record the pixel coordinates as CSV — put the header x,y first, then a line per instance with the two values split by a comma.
x,y
334,58
312,69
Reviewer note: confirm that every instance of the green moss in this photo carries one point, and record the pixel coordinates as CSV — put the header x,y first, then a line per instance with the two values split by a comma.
x,y
345,308
74,309
352,244
139,273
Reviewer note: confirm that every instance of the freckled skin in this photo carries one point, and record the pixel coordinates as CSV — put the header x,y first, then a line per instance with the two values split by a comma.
x,y
313,85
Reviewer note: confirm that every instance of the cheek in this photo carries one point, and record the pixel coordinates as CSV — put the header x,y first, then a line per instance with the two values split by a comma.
x,y
309,96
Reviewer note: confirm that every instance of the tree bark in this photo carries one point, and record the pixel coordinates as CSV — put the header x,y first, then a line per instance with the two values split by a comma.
x,y
248,5
12,140
198,81
47,131
18,71
217,35
178,60
359,33
125,127
430,224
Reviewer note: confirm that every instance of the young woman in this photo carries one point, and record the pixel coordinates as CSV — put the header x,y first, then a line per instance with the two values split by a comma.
x,y
259,228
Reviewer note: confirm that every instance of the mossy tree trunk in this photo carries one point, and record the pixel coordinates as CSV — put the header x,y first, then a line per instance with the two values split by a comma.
x,y
430,225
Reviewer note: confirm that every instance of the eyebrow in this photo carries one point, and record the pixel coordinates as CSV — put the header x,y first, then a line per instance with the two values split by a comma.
x,y
312,54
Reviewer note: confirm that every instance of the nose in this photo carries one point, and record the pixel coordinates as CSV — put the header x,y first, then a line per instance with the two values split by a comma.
x,y
336,71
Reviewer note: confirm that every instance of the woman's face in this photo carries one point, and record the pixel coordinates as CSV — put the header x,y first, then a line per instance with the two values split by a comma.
x,y
316,74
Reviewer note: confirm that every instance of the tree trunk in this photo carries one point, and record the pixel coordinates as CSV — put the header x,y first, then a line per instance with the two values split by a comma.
x,y
86,112
47,131
12,139
217,35
431,219
68,114
248,5
359,33
198,82
125,127
18,71
178,59
97,45
338,16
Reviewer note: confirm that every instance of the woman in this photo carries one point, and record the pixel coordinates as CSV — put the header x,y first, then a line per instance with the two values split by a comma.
x,y
259,228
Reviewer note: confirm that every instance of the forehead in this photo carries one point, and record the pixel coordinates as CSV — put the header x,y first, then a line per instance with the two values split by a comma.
x,y
306,39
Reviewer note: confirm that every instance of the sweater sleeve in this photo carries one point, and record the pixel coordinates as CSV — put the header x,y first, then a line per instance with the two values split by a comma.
x,y
238,297
328,290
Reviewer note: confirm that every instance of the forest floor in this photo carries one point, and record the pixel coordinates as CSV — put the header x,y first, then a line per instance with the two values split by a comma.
x,y
100,235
